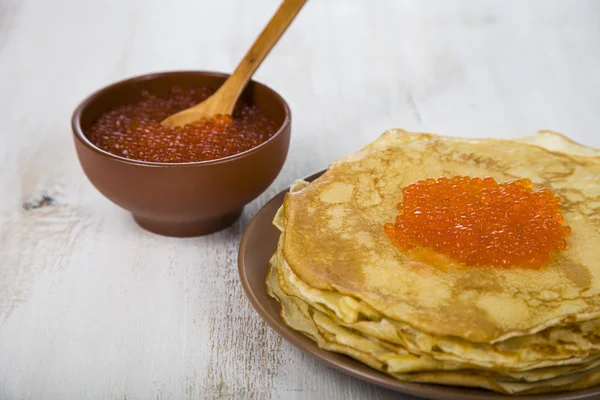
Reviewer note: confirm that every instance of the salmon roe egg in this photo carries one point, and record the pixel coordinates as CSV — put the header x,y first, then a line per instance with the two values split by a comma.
x,y
134,130
480,222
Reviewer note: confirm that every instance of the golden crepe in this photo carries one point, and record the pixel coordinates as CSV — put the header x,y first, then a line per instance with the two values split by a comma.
x,y
340,280
358,195
556,346
300,316
405,366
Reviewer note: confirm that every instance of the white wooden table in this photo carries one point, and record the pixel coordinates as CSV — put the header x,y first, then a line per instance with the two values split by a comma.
x,y
93,307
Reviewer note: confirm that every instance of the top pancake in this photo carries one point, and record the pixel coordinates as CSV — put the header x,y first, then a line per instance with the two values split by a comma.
x,y
334,238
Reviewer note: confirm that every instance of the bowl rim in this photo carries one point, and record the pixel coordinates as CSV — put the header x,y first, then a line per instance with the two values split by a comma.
x,y
79,134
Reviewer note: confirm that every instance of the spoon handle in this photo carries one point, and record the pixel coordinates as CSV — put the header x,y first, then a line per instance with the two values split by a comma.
x,y
223,100
270,35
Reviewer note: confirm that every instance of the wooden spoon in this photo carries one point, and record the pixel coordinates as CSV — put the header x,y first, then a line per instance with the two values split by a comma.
x,y
223,100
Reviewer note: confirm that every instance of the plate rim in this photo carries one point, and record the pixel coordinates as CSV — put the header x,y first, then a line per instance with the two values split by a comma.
x,y
309,347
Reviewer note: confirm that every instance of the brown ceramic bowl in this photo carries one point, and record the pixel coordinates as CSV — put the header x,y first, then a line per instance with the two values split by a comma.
x,y
181,199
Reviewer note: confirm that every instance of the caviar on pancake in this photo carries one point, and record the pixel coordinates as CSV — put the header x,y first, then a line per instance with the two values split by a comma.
x,y
480,222
134,130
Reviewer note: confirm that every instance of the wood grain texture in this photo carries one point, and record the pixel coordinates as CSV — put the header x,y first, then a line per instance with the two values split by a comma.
x,y
92,307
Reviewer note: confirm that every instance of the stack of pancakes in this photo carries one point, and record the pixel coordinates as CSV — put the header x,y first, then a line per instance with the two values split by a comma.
x,y
340,280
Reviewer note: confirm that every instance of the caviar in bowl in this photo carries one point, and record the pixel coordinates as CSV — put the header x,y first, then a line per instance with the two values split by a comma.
x,y
189,185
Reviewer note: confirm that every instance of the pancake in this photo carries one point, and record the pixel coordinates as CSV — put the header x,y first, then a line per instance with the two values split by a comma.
x,y
300,316
334,239
436,361
555,346
554,141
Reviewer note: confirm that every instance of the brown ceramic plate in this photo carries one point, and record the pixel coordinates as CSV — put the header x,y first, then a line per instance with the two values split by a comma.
x,y
257,246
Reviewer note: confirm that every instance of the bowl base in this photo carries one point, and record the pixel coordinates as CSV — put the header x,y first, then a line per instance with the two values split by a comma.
x,y
188,228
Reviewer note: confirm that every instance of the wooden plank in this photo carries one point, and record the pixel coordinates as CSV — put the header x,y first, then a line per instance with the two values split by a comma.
x,y
91,306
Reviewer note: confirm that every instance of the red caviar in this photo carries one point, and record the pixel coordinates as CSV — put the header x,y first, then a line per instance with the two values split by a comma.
x,y
134,130
480,222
